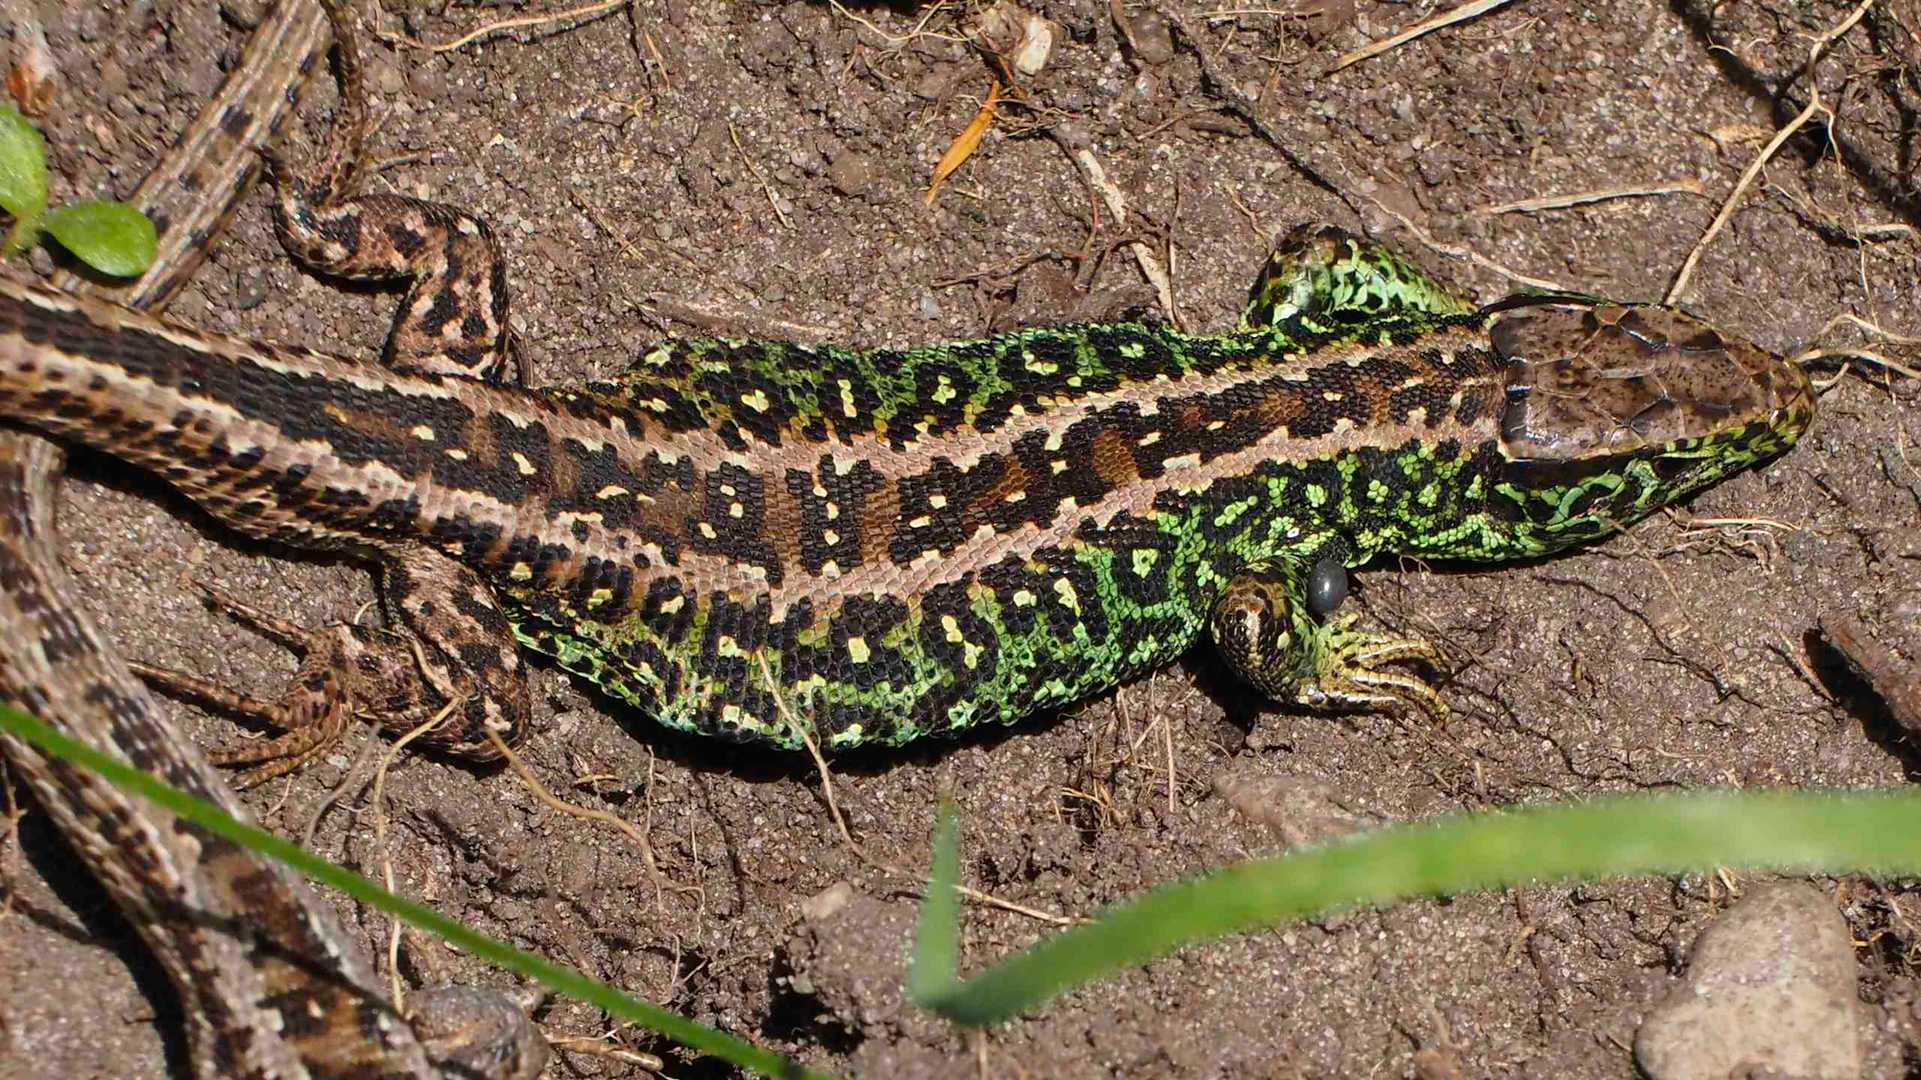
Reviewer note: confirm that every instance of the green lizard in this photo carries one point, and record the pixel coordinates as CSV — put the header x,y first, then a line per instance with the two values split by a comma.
x,y
776,542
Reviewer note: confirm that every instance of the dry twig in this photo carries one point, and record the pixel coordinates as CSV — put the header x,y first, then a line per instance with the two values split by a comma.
x,y
765,188
585,11
386,856
561,806
1079,150
1581,198
1827,37
1446,18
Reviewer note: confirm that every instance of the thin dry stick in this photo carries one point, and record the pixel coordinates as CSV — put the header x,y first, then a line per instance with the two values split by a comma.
x,y
847,836
1221,14
1446,18
898,40
380,838
561,806
1687,521
584,11
660,61
1754,168
1868,327
1868,355
1165,724
1886,230
1458,252
1076,145
1173,791
348,777
603,1046
1822,386
1581,198
765,188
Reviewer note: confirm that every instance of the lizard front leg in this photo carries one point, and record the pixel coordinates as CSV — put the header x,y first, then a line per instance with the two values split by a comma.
x,y
1271,623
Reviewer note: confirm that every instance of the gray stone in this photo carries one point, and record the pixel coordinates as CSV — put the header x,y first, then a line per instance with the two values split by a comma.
x,y
1770,992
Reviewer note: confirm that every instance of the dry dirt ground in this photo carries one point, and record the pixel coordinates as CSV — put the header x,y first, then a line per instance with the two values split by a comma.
x,y
755,167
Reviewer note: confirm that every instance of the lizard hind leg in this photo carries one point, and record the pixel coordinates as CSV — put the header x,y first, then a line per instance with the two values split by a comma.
x,y
312,715
455,666
453,320
1323,279
1267,624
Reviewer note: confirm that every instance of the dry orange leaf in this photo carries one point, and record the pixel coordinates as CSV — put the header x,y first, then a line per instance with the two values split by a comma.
x,y
965,143
33,79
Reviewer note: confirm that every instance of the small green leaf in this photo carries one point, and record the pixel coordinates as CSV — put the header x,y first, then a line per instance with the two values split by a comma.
x,y
23,165
23,179
111,237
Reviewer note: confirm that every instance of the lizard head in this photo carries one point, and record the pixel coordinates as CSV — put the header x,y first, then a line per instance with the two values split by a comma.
x,y
1614,411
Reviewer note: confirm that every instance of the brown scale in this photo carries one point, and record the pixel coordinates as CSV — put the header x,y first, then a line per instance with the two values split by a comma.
x,y
1113,459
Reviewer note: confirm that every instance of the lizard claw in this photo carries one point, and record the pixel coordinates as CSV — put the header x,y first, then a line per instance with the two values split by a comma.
x,y
313,714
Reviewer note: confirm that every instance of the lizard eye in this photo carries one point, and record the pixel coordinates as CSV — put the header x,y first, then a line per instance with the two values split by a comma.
x,y
1671,468
1326,586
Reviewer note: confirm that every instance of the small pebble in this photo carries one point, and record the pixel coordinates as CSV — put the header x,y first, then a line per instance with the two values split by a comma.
x,y
1153,41
113,78
807,160
427,81
827,903
851,174
250,289
245,14
388,79
941,80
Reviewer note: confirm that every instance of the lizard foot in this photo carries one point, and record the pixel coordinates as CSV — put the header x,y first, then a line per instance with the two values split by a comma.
x,y
1354,672
344,670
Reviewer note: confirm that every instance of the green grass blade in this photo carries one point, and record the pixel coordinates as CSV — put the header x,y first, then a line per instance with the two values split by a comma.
x,y
563,979
937,942
1873,833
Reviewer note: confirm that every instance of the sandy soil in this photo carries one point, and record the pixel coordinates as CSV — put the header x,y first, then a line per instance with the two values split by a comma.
x,y
768,178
